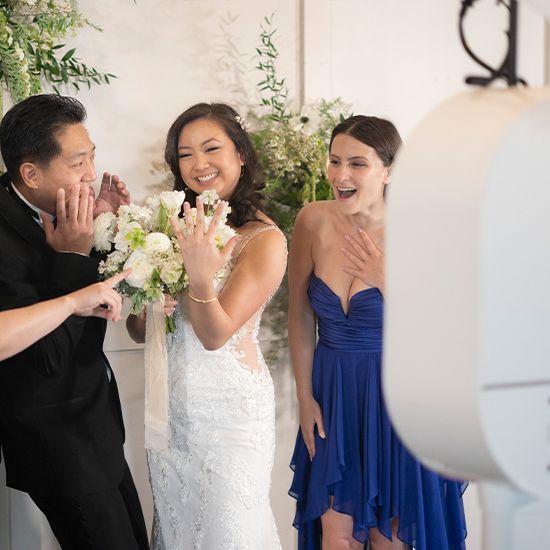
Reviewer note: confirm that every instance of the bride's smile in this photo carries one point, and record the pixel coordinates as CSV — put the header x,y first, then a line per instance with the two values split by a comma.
x,y
208,158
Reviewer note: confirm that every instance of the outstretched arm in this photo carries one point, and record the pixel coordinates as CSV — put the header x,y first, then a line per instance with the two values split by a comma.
x,y
23,326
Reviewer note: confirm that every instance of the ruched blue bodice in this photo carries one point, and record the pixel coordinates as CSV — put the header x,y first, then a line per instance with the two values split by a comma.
x,y
361,466
359,330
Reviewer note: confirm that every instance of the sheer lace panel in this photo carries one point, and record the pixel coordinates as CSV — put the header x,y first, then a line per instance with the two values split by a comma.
x,y
244,343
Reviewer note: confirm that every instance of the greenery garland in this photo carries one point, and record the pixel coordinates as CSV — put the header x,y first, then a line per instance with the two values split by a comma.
x,y
32,51
292,148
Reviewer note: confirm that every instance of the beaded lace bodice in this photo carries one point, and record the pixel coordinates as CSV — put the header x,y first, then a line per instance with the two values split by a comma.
x,y
211,487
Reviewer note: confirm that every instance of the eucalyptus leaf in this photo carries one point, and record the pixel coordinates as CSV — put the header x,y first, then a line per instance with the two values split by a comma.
x,y
69,54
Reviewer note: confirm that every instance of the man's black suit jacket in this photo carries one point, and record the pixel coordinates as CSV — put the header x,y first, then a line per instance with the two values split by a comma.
x,y
61,431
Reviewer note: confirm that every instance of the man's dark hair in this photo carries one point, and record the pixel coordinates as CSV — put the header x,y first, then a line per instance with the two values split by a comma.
x,y
29,130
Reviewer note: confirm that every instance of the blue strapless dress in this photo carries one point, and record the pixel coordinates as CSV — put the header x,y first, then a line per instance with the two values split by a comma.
x,y
361,463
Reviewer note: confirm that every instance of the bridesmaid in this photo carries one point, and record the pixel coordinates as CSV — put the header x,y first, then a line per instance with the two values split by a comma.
x,y
354,482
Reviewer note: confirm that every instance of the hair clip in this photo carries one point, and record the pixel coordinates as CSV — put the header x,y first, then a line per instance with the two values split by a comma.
x,y
242,123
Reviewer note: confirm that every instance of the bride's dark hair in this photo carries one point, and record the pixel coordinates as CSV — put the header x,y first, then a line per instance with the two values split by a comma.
x,y
246,199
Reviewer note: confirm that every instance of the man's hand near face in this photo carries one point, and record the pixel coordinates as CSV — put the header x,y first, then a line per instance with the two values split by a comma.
x,y
112,194
74,231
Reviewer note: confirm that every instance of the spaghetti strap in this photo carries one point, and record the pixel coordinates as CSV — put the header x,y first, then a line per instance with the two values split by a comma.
x,y
249,237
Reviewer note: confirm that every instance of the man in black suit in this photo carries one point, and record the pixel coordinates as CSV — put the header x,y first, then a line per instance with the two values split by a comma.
x,y
61,429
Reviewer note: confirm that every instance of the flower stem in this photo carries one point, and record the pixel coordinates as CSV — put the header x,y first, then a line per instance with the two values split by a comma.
x,y
170,324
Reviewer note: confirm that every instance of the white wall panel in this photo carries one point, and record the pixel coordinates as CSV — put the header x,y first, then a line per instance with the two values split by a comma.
x,y
398,58
169,54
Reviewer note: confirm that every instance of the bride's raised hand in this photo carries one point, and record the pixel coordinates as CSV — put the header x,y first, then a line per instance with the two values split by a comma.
x,y
201,256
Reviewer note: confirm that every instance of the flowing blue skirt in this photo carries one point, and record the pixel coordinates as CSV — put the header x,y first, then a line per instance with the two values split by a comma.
x,y
363,467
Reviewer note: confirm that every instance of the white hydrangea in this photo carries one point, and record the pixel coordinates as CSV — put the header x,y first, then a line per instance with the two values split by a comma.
x,y
153,205
226,210
113,262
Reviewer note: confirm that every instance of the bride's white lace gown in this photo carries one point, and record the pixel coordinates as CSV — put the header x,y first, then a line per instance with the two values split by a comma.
x,y
211,487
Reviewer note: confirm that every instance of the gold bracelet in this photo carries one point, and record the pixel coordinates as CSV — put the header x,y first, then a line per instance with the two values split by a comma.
x,y
200,300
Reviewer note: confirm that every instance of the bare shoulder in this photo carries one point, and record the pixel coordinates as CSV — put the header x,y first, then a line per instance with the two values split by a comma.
x,y
262,237
263,255
314,215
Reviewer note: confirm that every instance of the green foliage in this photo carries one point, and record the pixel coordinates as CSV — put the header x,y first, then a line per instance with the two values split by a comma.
x,y
292,146
273,91
292,149
33,51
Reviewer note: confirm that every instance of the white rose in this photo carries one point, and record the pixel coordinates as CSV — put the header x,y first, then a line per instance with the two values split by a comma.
x,y
171,272
172,201
142,269
104,231
156,242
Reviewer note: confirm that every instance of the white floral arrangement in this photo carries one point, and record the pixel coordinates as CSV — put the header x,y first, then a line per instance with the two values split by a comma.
x,y
142,238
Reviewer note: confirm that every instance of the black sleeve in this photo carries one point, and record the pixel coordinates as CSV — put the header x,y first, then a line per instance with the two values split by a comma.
x,y
70,271
52,353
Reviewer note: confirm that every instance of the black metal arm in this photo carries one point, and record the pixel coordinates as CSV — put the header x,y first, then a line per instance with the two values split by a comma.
x,y
507,69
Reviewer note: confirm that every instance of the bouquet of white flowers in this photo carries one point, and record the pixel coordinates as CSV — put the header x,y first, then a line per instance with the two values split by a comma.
x,y
142,238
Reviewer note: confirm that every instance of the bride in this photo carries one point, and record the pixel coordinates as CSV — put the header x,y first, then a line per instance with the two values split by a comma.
x,y
211,486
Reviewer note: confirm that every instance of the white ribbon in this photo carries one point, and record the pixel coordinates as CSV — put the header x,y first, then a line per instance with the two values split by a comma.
x,y
156,378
